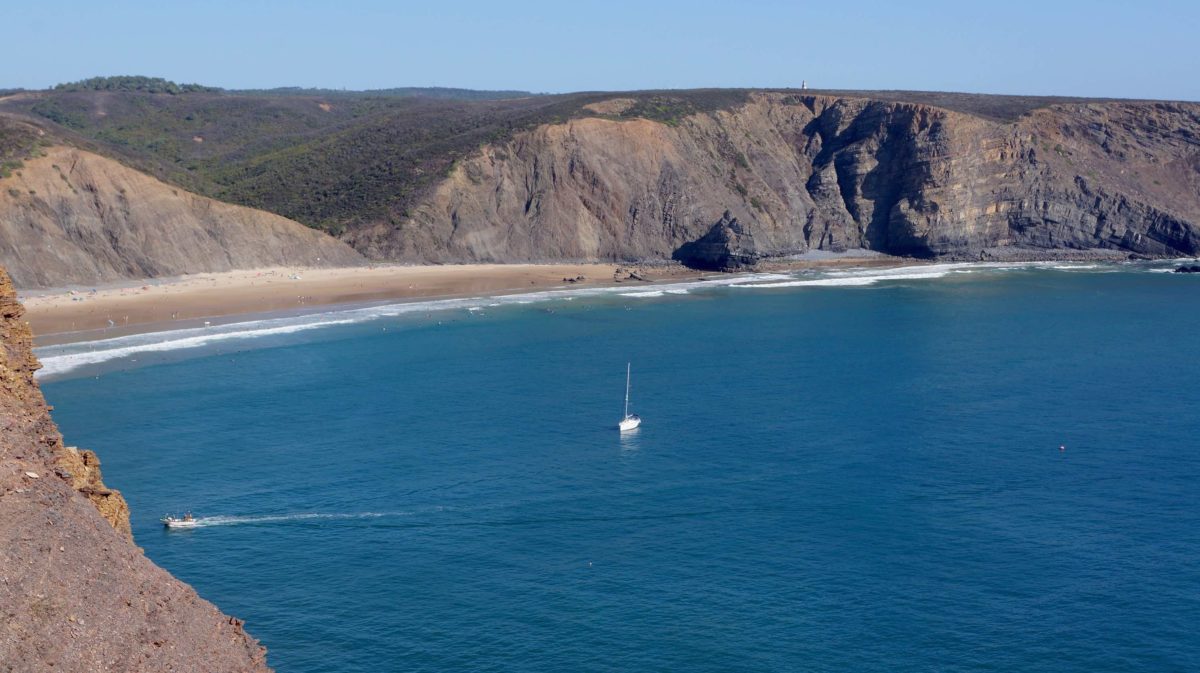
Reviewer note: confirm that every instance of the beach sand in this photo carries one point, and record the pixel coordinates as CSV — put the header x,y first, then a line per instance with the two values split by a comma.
x,y
86,313
159,302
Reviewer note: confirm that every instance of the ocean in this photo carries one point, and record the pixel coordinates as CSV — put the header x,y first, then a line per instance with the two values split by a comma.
x,y
940,468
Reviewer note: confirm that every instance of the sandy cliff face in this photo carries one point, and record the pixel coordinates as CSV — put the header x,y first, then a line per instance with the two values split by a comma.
x,y
802,172
73,217
75,593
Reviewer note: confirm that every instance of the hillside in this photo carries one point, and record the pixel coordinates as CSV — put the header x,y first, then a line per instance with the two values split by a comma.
x,y
77,593
639,175
68,216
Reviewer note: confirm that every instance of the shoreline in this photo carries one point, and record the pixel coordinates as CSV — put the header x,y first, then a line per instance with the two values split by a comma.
x,y
73,314
65,315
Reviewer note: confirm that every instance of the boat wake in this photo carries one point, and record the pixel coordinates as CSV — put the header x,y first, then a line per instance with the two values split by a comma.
x,y
209,521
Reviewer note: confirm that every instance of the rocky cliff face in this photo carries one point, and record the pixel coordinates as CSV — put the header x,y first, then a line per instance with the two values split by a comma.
x,y
75,593
73,217
802,172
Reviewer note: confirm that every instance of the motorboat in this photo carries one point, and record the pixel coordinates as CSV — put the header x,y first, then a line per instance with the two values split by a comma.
x,y
185,521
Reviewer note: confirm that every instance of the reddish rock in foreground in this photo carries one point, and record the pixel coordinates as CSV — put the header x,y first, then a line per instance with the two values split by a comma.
x,y
76,594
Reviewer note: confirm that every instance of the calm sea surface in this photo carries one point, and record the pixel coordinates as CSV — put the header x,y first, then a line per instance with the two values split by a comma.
x,y
852,471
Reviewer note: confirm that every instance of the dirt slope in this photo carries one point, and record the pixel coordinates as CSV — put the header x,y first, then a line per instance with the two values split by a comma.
x,y
73,217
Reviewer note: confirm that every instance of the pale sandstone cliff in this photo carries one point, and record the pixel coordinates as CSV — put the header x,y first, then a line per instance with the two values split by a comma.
x,y
801,172
76,594
73,217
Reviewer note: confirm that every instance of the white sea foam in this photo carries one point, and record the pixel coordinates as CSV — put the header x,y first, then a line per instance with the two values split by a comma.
x,y
61,359
864,277
650,293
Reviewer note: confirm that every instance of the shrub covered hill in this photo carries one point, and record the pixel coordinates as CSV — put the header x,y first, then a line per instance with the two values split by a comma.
x,y
706,176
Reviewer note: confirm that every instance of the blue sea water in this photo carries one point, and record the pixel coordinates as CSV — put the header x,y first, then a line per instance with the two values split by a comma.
x,y
851,471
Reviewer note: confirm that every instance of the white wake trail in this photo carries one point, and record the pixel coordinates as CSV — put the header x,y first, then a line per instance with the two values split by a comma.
x,y
209,521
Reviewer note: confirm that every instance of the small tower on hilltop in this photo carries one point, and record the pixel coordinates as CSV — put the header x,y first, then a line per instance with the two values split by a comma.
x,y
804,85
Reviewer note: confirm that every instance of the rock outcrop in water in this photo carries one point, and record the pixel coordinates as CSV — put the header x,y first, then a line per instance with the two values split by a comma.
x,y
76,594
73,217
800,172
728,246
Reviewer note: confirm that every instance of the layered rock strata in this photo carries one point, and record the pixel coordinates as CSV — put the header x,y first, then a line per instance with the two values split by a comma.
x,y
801,172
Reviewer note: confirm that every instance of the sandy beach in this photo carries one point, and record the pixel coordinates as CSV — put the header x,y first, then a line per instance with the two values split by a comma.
x,y
137,305
84,313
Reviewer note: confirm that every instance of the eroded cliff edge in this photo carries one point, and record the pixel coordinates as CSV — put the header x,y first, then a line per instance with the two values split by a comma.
x,y
800,172
76,594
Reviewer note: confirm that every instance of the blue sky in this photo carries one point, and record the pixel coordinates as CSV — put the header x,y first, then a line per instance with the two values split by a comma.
x,y
1145,49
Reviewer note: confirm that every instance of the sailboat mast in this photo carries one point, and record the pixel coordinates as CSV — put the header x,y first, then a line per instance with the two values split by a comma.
x,y
627,369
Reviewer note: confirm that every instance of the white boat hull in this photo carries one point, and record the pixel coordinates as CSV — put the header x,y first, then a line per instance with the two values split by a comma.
x,y
178,523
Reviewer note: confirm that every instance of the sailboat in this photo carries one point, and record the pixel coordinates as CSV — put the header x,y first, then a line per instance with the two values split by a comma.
x,y
628,421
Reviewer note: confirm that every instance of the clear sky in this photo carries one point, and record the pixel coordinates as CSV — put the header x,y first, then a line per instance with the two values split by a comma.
x,y
1131,48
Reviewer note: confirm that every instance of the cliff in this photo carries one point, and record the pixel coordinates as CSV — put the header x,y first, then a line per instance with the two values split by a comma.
x,y
800,172
595,176
76,594
73,217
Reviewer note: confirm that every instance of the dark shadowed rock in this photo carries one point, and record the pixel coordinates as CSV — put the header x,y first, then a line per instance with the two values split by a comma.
x,y
728,246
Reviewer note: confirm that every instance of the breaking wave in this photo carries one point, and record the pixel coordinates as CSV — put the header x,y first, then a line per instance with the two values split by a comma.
x,y
866,276
61,359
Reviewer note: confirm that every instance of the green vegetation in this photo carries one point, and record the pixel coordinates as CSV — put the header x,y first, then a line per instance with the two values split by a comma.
x,y
132,83
670,109
340,159
330,159
437,93
18,141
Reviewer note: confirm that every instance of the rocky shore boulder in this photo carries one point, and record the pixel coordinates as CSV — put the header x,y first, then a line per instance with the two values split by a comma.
x,y
728,246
